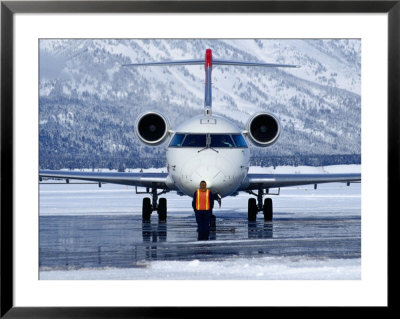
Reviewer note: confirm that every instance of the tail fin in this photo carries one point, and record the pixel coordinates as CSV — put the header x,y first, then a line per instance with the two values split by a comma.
x,y
208,62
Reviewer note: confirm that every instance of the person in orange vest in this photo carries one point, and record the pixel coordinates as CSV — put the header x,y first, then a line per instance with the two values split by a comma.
x,y
203,204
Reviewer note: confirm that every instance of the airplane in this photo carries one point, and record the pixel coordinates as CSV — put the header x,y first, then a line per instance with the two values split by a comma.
x,y
206,147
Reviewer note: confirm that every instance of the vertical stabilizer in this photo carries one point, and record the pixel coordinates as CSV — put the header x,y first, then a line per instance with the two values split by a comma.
x,y
208,94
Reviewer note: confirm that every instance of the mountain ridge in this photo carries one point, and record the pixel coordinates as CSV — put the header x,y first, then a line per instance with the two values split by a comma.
x,y
88,103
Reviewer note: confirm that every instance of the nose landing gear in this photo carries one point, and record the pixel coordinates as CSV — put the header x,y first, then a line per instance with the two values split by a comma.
x,y
151,205
255,206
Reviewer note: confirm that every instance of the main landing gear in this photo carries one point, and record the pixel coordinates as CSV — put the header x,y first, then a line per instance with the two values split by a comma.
x,y
255,206
150,205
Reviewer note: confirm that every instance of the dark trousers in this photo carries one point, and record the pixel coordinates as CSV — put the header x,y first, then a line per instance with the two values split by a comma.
x,y
203,224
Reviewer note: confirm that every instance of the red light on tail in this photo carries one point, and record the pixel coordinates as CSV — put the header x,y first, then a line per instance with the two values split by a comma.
x,y
208,58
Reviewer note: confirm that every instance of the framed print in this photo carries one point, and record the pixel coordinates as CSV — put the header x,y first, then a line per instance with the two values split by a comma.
x,y
34,31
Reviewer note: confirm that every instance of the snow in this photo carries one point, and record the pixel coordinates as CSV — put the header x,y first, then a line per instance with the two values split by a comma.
x,y
318,104
334,200
266,268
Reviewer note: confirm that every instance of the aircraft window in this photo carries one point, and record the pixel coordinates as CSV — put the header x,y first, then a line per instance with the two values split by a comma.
x,y
220,140
239,140
177,140
195,140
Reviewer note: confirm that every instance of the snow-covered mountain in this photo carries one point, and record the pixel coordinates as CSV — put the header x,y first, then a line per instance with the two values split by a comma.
x,y
89,102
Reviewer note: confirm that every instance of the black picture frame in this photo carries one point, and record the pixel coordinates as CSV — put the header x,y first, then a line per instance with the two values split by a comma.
x,y
9,8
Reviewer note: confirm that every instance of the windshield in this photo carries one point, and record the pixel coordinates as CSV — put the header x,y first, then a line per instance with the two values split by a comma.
x,y
208,140
177,140
239,140
221,140
195,140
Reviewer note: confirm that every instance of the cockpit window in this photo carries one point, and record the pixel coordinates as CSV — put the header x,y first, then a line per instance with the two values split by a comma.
x,y
239,140
221,140
177,140
208,140
195,140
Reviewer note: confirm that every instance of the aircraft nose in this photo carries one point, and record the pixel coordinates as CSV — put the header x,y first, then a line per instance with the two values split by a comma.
x,y
211,175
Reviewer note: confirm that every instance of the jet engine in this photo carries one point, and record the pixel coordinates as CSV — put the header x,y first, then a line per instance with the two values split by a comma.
x,y
263,129
152,128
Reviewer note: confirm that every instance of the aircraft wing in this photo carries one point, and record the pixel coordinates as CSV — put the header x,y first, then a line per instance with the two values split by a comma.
x,y
158,180
257,181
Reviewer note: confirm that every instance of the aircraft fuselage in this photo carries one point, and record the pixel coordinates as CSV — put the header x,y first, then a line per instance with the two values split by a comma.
x,y
209,148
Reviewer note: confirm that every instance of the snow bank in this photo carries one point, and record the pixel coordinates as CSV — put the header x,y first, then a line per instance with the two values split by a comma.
x,y
266,268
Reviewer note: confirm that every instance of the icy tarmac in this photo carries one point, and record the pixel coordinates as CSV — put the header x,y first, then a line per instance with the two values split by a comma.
x,y
87,232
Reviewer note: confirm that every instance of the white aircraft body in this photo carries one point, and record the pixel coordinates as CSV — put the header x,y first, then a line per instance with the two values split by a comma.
x,y
207,147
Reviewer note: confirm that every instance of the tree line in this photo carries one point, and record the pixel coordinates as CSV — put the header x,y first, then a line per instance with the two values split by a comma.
x,y
69,161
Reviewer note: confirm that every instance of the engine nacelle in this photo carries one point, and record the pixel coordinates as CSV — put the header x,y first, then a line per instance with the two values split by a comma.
x,y
152,128
263,129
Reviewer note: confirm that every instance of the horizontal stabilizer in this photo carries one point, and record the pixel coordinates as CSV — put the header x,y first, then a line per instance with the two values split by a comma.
x,y
208,62
239,63
215,62
179,62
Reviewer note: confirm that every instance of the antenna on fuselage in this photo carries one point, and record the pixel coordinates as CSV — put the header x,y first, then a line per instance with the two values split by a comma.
x,y
208,63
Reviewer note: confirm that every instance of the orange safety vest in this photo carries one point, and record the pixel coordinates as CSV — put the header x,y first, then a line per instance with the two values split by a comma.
x,y
203,200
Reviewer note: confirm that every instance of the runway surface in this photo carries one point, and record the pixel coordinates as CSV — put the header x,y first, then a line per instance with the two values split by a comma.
x,y
124,241
86,227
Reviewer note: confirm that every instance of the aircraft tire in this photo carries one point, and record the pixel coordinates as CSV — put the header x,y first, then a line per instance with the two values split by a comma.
x,y
252,209
162,209
146,209
267,209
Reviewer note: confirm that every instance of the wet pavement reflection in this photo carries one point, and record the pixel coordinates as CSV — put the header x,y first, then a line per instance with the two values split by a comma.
x,y
259,230
125,241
